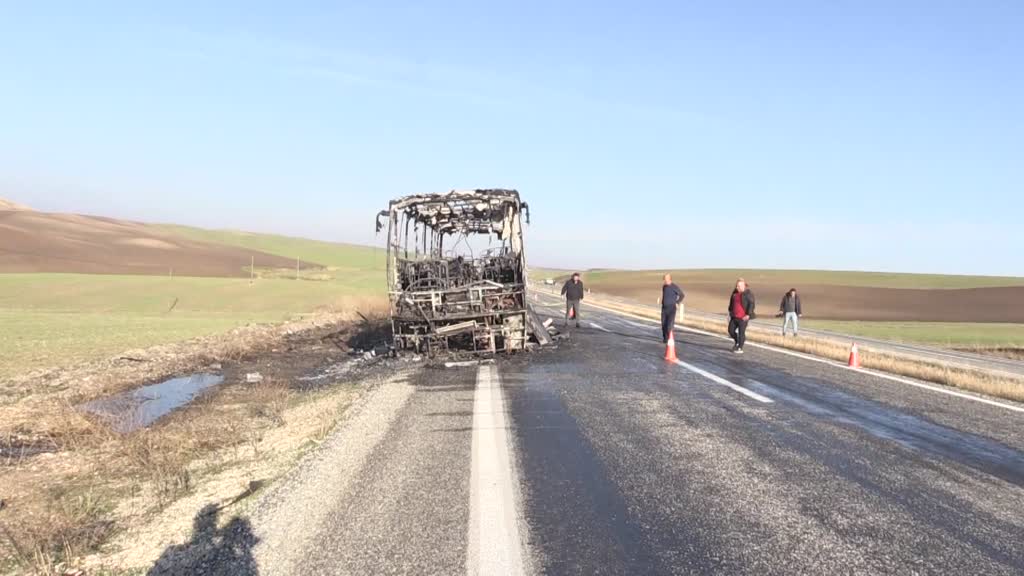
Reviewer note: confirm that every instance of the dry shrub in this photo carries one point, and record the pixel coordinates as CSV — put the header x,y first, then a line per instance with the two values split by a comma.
x,y
72,524
161,459
268,399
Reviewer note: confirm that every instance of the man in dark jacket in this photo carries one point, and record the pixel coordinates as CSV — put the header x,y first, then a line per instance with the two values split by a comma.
x,y
671,297
741,310
790,309
573,292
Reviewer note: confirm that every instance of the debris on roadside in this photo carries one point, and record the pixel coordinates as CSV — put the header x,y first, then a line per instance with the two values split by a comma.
x,y
253,378
537,328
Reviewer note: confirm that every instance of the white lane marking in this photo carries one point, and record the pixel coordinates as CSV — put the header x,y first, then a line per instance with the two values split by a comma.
x,y
875,373
599,327
495,546
894,378
636,324
724,382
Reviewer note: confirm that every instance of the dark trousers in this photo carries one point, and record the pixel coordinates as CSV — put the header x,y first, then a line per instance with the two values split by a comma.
x,y
738,331
668,322
573,305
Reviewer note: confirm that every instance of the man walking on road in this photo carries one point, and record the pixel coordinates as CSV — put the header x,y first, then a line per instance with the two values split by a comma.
x,y
790,309
671,297
573,292
741,310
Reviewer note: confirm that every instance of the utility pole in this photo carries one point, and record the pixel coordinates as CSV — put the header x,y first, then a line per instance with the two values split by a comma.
x,y
252,268
296,267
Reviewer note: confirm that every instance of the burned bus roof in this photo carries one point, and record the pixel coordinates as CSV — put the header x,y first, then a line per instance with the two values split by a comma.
x,y
466,211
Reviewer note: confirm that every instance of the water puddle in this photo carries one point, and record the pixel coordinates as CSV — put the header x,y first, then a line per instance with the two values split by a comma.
x,y
143,406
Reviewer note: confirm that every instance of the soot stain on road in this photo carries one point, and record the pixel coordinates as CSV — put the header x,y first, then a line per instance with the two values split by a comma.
x,y
561,471
580,522
857,500
906,487
915,433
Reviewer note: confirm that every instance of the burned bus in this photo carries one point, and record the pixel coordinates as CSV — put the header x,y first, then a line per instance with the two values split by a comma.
x,y
456,271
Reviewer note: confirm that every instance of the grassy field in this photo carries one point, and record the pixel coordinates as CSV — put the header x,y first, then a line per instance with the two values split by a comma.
x,y
60,319
949,334
341,257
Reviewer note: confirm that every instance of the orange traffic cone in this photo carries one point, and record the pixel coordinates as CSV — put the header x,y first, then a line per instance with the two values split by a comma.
x,y
854,357
670,348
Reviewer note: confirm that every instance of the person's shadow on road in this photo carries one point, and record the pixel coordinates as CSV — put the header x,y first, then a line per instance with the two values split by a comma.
x,y
212,551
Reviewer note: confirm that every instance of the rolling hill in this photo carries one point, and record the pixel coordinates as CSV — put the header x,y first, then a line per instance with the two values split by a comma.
x,y
33,241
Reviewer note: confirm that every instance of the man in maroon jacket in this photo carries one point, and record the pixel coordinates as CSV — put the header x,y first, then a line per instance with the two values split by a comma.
x,y
741,310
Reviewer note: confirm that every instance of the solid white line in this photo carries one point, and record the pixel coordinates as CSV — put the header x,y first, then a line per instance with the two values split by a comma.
x,y
599,327
495,546
724,382
884,375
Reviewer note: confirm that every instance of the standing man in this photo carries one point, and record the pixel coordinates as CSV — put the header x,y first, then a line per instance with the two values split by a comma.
x,y
671,297
573,292
790,308
741,310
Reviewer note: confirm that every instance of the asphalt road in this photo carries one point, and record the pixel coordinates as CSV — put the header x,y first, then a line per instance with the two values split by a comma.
x,y
952,357
599,457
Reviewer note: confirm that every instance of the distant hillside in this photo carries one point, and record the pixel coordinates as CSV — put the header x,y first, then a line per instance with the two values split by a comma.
x,y
9,205
831,295
335,255
44,242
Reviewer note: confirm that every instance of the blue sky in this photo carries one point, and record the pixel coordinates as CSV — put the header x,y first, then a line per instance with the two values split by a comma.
x,y
841,135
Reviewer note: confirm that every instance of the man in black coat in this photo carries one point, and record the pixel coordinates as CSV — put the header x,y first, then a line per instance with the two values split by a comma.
x,y
741,310
573,292
671,297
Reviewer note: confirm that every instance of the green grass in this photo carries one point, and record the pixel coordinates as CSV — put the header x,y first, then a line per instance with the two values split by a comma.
x,y
60,319
343,257
948,334
797,277
42,339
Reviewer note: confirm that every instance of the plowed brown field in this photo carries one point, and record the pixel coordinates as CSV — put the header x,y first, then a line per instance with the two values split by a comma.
x,y
44,242
830,301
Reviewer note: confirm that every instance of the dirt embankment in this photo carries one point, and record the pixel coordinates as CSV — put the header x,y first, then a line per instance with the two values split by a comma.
x,y
44,242
74,487
1002,304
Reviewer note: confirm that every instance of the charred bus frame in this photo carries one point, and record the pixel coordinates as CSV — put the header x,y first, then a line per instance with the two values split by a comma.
x,y
443,297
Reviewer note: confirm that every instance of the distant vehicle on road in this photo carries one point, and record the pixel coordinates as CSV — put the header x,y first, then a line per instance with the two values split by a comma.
x,y
549,281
